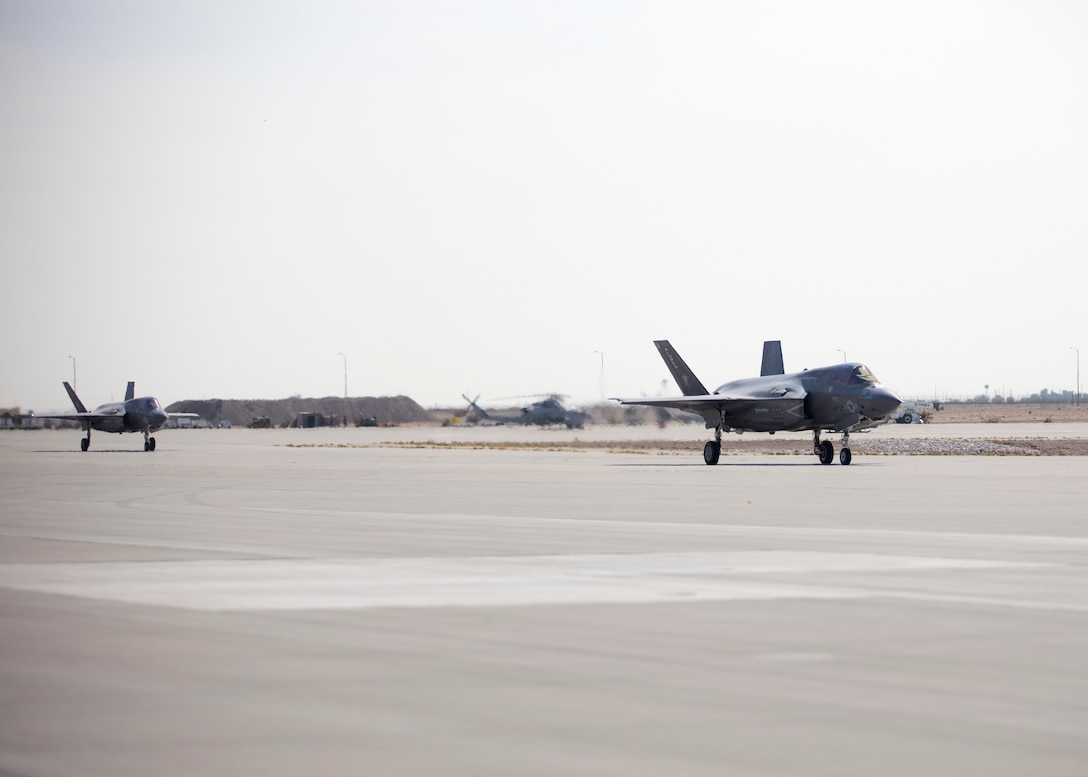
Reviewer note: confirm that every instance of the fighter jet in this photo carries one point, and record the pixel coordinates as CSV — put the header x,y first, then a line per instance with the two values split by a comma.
x,y
546,412
135,414
841,398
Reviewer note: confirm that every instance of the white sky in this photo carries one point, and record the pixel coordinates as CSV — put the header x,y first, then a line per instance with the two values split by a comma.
x,y
217,199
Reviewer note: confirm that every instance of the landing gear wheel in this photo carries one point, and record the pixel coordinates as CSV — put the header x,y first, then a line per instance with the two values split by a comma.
x,y
827,452
845,456
84,444
151,444
711,451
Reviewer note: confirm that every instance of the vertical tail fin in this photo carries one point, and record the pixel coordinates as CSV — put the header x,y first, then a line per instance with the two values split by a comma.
x,y
130,392
75,399
772,358
681,373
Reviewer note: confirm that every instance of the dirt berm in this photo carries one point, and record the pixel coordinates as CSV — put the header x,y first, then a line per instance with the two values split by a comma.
x,y
242,412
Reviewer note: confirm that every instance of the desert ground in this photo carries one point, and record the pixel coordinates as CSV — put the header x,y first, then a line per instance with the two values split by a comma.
x,y
1008,413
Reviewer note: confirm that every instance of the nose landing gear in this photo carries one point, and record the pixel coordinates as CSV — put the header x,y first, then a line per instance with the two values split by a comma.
x,y
826,451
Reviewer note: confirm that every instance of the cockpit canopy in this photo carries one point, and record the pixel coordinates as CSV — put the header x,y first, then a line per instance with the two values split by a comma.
x,y
854,375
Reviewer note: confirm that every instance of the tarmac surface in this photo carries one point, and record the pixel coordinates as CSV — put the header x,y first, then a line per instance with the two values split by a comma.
x,y
283,602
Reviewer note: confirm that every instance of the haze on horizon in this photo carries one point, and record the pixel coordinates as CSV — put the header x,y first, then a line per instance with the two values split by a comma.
x,y
229,200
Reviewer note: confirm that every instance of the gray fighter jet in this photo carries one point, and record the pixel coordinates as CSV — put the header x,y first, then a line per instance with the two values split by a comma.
x,y
135,414
841,398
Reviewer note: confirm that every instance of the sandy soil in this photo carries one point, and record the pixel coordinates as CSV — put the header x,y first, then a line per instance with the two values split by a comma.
x,y
1005,414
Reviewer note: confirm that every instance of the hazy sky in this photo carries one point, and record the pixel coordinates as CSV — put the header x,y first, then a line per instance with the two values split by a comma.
x,y
217,199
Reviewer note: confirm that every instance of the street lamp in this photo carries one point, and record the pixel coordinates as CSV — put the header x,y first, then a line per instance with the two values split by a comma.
x,y
1076,394
843,354
345,375
602,374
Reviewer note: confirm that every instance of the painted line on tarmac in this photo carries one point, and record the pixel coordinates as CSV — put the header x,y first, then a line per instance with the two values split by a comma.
x,y
489,581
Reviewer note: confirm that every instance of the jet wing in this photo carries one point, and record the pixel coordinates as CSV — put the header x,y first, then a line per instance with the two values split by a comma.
x,y
709,406
88,416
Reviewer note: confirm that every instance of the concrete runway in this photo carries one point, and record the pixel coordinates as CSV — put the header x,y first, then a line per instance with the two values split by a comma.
x,y
235,604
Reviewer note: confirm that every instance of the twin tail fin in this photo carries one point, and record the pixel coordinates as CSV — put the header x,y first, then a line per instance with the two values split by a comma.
x,y
681,372
75,399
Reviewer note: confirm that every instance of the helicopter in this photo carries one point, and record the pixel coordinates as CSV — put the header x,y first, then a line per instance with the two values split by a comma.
x,y
544,412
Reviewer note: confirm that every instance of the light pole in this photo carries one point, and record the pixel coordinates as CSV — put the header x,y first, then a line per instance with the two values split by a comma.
x,y
73,371
843,354
345,375
1076,394
602,374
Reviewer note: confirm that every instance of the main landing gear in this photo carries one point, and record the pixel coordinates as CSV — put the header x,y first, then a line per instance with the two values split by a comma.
x,y
149,442
826,451
712,451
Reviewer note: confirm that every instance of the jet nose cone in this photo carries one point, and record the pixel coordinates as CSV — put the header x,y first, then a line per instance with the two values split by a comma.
x,y
885,402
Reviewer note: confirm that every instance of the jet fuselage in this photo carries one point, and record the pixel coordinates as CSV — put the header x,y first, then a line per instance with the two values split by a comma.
x,y
133,415
835,397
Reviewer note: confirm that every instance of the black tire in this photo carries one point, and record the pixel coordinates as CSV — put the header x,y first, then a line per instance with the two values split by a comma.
x,y
84,444
151,444
827,452
845,456
711,452
908,418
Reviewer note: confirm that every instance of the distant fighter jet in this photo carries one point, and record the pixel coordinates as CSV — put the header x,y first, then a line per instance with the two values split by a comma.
x,y
841,398
546,412
142,414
